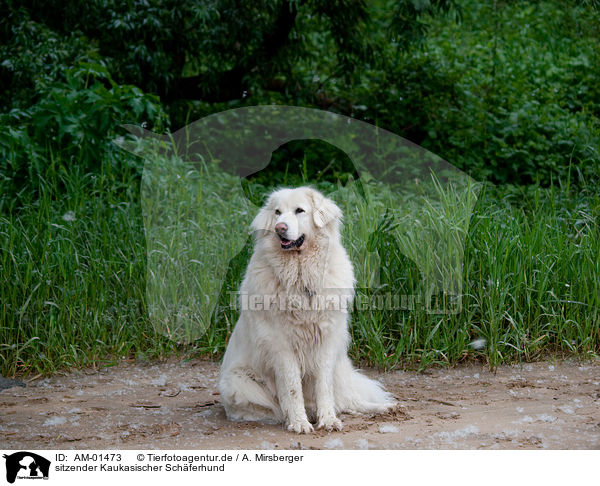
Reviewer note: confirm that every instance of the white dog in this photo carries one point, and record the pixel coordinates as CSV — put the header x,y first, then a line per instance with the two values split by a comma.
x,y
287,360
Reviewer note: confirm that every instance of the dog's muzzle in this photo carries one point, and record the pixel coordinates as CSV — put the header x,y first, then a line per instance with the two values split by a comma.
x,y
290,244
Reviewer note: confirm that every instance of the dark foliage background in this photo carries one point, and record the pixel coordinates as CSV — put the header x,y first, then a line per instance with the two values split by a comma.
x,y
505,90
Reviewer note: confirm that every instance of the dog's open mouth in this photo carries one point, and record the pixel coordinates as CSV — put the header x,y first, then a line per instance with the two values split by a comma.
x,y
289,244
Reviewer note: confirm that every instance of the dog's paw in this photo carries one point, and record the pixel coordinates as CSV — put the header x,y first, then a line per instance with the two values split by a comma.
x,y
386,407
330,423
301,426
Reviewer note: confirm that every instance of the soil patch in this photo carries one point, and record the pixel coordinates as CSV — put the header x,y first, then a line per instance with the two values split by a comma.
x,y
175,405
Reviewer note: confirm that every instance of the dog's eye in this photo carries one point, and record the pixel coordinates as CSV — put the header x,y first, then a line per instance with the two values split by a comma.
x,y
299,210
277,212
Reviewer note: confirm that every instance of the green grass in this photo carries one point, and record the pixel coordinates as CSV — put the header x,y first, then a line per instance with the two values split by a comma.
x,y
72,266
532,278
73,281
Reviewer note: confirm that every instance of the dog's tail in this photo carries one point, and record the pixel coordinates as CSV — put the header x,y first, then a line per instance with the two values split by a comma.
x,y
354,392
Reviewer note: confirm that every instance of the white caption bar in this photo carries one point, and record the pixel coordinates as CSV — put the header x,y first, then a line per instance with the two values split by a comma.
x,y
114,467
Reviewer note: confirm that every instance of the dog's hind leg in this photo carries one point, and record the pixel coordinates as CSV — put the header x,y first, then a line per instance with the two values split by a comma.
x,y
247,399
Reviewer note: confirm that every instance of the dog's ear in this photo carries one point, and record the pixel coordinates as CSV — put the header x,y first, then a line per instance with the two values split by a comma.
x,y
324,210
262,221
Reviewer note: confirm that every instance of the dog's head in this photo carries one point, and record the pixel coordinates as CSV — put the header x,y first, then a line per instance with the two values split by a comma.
x,y
292,218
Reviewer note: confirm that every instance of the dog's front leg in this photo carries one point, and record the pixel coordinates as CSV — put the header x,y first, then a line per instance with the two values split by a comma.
x,y
289,391
325,397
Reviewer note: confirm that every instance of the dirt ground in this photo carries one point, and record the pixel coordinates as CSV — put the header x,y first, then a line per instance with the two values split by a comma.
x,y
553,405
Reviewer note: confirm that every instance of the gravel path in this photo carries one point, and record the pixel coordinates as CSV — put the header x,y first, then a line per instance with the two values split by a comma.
x,y
175,405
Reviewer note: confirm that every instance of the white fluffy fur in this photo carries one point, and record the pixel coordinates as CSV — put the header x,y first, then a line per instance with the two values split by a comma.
x,y
291,365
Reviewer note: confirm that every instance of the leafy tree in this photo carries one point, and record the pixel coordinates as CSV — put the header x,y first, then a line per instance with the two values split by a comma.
x,y
509,94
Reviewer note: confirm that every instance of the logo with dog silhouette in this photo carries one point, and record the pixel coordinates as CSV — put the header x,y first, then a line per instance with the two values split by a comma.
x,y
26,465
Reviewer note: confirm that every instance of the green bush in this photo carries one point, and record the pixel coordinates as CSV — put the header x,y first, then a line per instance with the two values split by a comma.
x,y
508,93
76,120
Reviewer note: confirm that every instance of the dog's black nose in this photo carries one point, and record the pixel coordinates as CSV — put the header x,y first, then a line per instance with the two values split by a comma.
x,y
281,228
